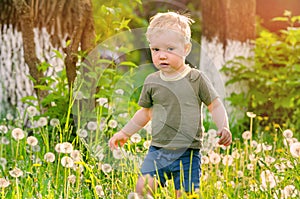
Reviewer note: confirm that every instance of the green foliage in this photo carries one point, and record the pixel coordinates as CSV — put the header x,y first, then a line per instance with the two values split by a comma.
x,y
271,77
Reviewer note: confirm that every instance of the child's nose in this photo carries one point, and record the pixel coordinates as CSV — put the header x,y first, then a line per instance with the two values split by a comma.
x,y
162,55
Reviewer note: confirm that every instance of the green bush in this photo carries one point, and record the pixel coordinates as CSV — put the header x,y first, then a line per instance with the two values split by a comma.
x,y
271,76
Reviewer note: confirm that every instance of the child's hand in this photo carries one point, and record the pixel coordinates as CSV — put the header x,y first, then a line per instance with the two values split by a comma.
x,y
226,137
118,138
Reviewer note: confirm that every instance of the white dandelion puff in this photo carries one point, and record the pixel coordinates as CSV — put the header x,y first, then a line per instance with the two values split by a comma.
x,y
32,111
72,179
112,124
295,149
76,155
42,121
247,135
267,179
49,157
288,133
135,138
214,158
4,183
32,141
4,140
290,191
92,126
119,91
118,153
66,147
147,144
67,162
54,122
18,134
133,195
82,133
106,168
16,172
102,101
227,160
3,129
204,159
58,147
251,114
99,191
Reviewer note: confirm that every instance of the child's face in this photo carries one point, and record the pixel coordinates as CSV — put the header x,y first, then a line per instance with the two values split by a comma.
x,y
168,51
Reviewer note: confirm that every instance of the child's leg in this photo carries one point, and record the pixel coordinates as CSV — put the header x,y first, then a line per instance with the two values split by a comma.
x,y
145,185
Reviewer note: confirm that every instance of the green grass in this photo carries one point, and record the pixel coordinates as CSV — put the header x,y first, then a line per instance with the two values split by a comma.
x,y
250,168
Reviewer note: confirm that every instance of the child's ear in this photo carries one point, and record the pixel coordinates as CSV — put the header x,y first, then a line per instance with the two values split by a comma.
x,y
187,49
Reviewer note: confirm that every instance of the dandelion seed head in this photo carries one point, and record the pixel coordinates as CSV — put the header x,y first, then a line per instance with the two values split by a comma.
x,y
123,115
102,101
240,174
32,141
227,160
147,144
288,133
204,159
119,91
99,191
106,168
58,147
66,147
247,135
236,154
32,111
133,195
92,126
18,134
119,153
54,122
269,160
250,167
295,149
251,114
76,155
135,138
290,191
16,172
67,162
4,183
214,158
72,179
9,117
112,124
4,140
267,180
49,157
42,121
3,129
82,133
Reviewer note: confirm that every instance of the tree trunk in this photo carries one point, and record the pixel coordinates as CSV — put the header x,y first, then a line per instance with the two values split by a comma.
x,y
228,27
45,26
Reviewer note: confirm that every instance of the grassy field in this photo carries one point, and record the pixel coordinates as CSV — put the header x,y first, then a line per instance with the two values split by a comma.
x,y
48,160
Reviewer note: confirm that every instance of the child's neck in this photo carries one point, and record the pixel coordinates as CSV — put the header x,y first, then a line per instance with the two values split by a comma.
x,y
176,75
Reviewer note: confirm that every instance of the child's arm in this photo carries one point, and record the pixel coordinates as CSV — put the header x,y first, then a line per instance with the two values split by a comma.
x,y
138,121
219,116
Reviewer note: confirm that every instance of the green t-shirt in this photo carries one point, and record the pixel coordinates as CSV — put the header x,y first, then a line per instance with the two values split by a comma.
x,y
177,108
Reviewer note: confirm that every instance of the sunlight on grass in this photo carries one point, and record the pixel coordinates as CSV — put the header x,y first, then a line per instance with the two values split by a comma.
x,y
41,162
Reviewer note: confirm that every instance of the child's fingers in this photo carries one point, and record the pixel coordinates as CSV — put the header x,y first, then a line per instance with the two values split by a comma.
x,y
226,137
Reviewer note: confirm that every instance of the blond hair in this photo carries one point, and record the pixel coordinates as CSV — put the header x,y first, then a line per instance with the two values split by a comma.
x,y
170,21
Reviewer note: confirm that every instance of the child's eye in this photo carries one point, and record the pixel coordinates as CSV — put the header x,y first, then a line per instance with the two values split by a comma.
x,y
155,49
170,49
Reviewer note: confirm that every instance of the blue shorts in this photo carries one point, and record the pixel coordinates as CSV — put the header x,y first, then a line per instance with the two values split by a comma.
x,y
181,165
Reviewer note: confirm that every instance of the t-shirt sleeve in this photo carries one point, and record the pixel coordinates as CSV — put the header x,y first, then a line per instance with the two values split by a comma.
x,y
207,92
145,99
